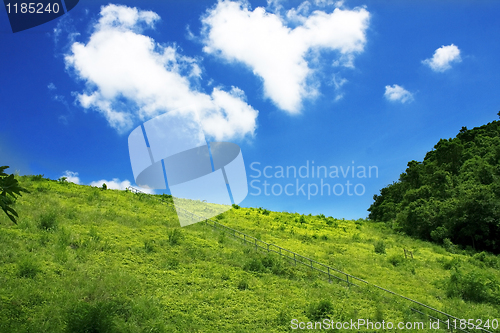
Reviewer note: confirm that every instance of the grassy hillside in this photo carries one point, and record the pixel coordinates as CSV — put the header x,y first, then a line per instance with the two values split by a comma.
x,y
83,259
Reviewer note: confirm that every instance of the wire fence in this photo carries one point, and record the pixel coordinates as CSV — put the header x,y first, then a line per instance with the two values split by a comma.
x,y
450,323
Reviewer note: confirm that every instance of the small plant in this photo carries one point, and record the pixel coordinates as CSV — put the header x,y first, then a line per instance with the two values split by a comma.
x,y
94,235
172,263
452,263
395,260
149,246
63,180
449,246
222,238
331,222
379,247
254,265
302,219
174,236
90,317
243,285
283,319
36,178
28,268
265,212
321,310
48,221
104,186
42,189
236,206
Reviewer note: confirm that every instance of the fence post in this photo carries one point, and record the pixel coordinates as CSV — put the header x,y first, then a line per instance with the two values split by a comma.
x,y
329,278
295,259
256,245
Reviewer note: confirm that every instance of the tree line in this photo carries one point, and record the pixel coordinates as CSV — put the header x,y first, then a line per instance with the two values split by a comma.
x,y
452,196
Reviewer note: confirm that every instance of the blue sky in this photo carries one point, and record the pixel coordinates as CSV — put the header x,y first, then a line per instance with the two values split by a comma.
x,y
363,83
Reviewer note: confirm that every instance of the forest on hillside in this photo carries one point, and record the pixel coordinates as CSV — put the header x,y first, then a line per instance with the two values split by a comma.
x,y
451,197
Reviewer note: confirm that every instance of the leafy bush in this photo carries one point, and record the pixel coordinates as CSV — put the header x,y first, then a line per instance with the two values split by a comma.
x,y
379,247
486,259
319,311
48,221
243,285
90,317
473,286
395,259
36,178
174,236
452,263
172,263
254,265
28,268
149,246
222,237
449,246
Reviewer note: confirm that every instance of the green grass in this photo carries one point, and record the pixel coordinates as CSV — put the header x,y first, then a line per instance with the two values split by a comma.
x,y
84,259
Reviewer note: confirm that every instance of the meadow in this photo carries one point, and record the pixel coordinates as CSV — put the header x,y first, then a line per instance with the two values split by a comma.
x,y
85,259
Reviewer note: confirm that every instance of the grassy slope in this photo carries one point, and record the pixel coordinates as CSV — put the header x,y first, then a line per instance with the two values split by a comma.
x,y
82,258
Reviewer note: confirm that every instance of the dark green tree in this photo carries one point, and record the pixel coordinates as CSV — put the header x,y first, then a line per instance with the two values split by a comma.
x,y
9,188
452,195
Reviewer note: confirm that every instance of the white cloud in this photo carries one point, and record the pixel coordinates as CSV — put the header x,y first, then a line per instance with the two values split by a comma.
x,y
116,184
443,57
71,177
130,77
338,82
277,53
398,94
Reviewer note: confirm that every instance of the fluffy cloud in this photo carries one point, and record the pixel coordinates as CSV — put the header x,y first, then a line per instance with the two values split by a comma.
x,y
279,54
397,94
71,177
129,77
443,57
115,184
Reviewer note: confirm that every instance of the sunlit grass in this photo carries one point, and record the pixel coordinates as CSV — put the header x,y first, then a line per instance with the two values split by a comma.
x,y
84,259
